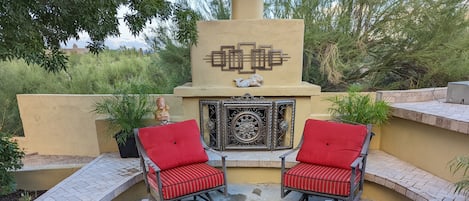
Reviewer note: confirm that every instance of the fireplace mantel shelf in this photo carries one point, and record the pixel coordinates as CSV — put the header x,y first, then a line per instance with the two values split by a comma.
x,y
303,89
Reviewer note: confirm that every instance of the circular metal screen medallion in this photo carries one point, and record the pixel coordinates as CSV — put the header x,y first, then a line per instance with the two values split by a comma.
x,y
246,127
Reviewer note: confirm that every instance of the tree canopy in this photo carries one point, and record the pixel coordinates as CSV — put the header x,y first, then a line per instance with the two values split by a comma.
x,y
34,30
384,44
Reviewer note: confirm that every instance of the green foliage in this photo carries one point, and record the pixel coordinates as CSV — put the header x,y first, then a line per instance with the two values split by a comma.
x,y
461,163
359,108
175,66
381,44
10,159
87,74
33,30
125,110
172,58
26,197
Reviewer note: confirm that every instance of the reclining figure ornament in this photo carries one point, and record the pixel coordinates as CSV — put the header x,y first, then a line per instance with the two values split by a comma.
x,y
255,80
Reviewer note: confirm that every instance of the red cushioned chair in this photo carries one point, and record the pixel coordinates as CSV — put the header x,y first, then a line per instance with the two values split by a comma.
x,y
173,159
331,161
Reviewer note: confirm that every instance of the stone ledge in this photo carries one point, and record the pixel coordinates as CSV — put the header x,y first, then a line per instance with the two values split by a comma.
x,y
412,95
303,89
454,117
406,179
102,179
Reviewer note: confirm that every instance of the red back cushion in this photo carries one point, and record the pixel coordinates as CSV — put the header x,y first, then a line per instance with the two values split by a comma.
x,y
331,143
173,145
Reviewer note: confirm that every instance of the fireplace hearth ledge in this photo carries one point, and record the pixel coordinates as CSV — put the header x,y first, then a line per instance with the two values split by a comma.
x,y
303,89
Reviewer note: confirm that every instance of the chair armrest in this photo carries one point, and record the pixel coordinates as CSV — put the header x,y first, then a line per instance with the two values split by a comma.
x,y
215,152
150,163
358,162
366,145
283,156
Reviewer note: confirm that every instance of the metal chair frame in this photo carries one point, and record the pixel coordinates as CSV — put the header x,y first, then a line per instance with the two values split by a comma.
x,y
358,164
146,162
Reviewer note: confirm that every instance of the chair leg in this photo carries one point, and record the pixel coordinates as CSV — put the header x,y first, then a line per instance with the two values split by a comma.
x,y
208,196
304,197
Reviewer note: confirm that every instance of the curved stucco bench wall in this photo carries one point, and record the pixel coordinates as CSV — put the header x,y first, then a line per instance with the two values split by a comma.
x,y
382,169
122,174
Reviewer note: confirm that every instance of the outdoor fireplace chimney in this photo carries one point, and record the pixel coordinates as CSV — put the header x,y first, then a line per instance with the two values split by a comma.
x,y
247,9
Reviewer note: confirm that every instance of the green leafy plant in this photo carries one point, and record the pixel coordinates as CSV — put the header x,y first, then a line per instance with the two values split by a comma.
x,y
25,197
125,111
461,163
357,107
10,159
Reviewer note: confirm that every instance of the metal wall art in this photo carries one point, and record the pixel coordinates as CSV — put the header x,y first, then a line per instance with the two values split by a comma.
x,y
246,57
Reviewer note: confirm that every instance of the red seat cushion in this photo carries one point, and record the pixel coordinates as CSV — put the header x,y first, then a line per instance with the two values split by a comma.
x,y
173,145
187,179
331,143
317,178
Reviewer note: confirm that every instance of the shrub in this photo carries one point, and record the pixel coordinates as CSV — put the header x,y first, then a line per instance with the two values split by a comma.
x,y
10,159
125,111
461,163
359,108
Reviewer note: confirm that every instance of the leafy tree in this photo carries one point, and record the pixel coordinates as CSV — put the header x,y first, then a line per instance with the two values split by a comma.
x,y
384,44
10,159
86,74
33,30
171,65
214,9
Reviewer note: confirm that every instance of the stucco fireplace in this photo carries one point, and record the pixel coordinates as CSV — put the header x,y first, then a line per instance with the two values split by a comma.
x,y
269,116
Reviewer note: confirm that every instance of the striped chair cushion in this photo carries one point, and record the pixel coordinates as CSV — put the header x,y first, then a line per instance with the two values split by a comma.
x,y
187,179
317,178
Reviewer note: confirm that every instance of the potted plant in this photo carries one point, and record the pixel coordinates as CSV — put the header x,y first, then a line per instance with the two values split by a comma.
x,y
359,108
125,111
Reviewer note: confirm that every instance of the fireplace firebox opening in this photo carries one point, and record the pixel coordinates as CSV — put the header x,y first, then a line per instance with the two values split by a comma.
x,y
247,123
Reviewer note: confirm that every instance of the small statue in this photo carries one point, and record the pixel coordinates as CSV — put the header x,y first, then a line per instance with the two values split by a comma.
x,y
162,111
255,80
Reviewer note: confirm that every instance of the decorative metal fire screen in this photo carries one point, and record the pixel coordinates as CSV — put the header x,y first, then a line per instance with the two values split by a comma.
x,y
248,122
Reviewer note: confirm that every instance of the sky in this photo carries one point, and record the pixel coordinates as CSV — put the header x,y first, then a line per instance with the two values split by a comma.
x,y
125,39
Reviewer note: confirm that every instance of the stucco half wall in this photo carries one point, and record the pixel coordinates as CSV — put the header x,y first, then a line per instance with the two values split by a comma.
x,y
64,124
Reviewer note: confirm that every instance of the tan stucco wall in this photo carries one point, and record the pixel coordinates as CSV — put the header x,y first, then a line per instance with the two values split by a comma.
x,y
247,9
59,124
56,124
427,147
373,191
65,125
42,179
285,35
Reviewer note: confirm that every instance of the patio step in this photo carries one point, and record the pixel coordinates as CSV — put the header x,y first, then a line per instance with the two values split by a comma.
x,y
102,179
109,175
